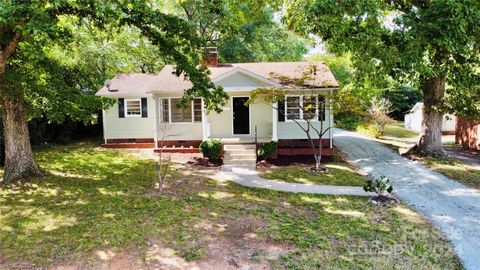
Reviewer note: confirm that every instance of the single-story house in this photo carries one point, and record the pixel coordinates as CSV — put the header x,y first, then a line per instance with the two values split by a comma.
x,y
468,133
146,112
414,119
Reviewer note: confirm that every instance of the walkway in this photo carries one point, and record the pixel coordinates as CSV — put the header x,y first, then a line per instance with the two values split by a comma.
x,y
451,206
249,177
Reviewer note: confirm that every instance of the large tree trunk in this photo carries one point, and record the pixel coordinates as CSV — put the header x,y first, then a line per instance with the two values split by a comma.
x,y
19,161
430,143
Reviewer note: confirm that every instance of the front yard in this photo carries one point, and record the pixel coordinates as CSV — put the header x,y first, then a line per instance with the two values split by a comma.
x,y
400,139
339,173
99,207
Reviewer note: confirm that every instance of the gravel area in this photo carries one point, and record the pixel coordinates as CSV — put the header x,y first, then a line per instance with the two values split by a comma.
x,y
449,205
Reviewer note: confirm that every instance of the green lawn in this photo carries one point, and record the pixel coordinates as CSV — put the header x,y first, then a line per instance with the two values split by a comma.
x,y
450,167
398,130
339,173
96,202
455,169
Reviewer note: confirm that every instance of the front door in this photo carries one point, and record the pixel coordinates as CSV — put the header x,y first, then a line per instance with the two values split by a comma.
x,y
241,116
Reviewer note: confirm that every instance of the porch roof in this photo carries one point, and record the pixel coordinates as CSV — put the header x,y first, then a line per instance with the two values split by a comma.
x,y
292,75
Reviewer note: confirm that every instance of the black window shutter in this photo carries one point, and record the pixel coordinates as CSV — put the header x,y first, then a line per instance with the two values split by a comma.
x,y
144,108
281,111
121,108
321,105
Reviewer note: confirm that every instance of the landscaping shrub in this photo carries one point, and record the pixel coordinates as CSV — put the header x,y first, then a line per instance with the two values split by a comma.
x,y
348,109
211,149
266,150
380,185
370,130
377,118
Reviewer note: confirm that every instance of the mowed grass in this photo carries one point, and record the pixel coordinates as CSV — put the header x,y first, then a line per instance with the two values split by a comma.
x,y
461,171
339,173
398,130
453,168
104,200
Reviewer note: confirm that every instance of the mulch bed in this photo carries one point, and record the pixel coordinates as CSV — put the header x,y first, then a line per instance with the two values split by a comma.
x,y
204,162
383,200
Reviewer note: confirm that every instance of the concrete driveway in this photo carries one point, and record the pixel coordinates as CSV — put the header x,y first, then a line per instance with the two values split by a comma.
x,y
449,205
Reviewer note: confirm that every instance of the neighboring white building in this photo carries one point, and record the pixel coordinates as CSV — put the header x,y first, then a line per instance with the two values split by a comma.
x,y
414,119
146,105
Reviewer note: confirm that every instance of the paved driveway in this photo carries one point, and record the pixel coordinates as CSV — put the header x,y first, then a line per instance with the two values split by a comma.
x,y
451,206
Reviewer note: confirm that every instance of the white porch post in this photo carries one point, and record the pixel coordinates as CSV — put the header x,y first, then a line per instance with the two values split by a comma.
x,y
274,122
205,125
155,120
330,121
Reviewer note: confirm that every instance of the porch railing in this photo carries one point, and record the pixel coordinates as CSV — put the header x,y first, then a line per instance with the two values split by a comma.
x,y
256,145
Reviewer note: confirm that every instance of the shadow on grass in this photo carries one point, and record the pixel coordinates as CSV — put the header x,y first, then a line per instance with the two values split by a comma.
x,y
95,200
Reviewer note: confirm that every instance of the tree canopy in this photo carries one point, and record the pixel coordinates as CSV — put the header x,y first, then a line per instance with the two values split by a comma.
x,y
33,77
432,45
243,31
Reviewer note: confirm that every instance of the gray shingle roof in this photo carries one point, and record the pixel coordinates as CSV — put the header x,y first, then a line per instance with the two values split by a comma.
x,y
314,74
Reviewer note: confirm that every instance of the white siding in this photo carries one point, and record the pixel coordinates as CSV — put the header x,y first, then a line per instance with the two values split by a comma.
x,y
414,119
291,130
180,131
128,127
239,80
221,124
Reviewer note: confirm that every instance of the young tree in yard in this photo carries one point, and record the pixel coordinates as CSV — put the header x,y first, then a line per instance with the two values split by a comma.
x,y
428,43
32,80
308,112
164,167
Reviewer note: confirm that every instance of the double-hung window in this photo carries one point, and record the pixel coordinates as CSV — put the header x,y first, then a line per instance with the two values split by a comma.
x,y
173,113
293,108
133,107
303,107
197,110
310,107
180,114
165,108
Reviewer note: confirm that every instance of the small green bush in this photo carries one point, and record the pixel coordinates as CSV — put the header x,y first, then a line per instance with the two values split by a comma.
x,y
380,185
370,129
348,122
266,150
211,149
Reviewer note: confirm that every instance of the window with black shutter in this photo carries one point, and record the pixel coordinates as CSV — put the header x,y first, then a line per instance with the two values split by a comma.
x,y
121,108
144,108
281,111
321,106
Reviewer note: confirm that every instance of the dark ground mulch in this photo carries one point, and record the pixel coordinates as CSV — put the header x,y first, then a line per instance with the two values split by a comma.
x,y
205,162
384,200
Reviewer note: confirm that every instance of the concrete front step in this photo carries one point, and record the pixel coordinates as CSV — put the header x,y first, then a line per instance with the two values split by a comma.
x,y
228,147
240,156
239,166
239,152
239,161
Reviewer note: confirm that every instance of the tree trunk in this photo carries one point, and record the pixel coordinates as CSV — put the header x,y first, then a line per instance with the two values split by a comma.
x,y
19,161
430,143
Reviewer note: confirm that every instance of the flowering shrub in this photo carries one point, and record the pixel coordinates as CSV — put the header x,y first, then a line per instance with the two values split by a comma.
x,y
377,118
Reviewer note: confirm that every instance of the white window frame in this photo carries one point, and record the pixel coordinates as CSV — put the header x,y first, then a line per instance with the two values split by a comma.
x,y
125,107
301,119
160,100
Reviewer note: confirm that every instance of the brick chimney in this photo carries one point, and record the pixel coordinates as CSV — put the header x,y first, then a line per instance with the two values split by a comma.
x,y
210,57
